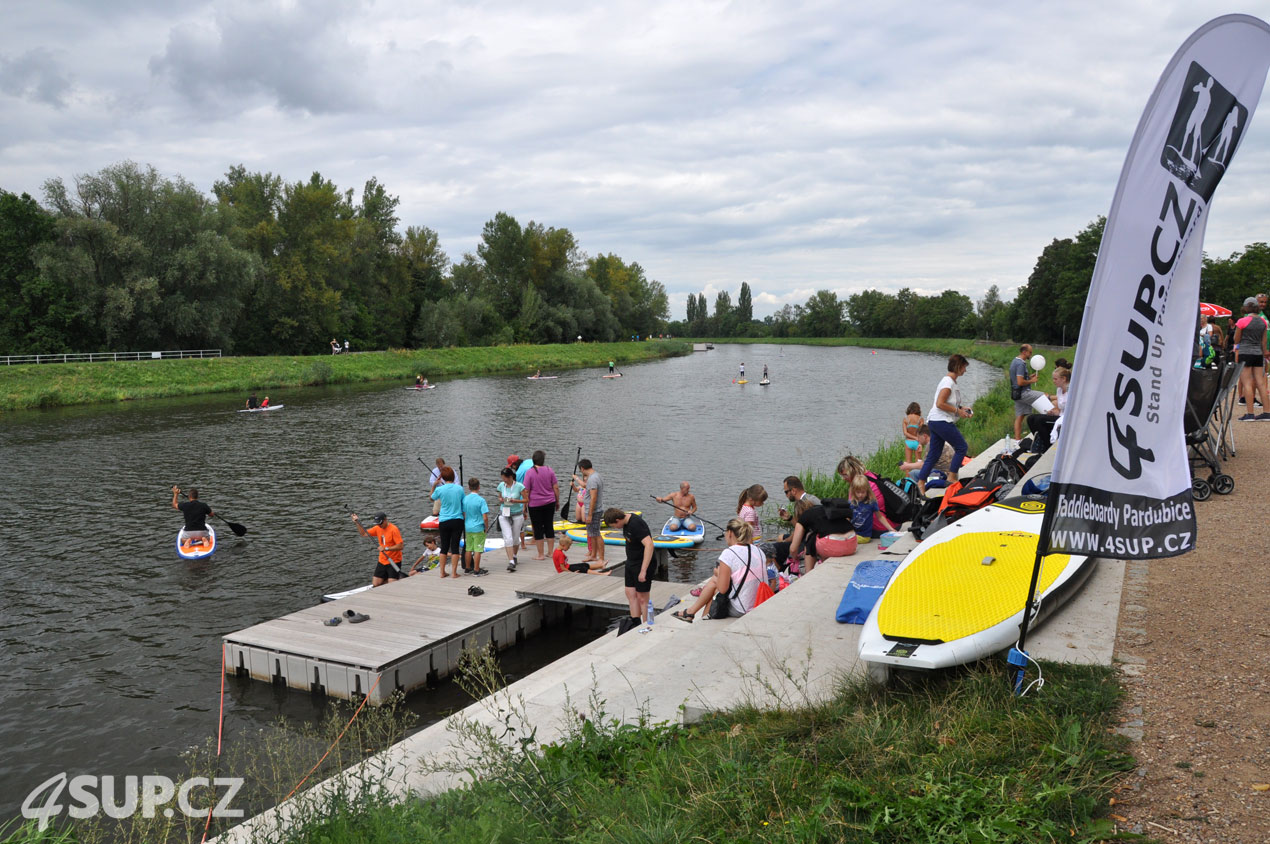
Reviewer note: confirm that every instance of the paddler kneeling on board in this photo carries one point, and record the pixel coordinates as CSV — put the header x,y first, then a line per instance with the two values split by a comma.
x,y
195,513
390,545
685,505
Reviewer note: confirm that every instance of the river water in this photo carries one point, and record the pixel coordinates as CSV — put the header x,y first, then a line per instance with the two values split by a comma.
x,y
109,644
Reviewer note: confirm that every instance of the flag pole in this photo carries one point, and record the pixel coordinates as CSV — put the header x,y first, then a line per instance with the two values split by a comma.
x,y
1018,654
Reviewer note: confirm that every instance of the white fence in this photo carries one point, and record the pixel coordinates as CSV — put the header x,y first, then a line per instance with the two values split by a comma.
x,y
92,357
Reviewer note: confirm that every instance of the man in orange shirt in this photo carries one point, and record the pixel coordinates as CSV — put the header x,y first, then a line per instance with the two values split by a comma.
x,y
390,546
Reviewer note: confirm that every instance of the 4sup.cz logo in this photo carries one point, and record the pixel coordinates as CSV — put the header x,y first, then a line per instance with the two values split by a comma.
x,y
122,797
1205,132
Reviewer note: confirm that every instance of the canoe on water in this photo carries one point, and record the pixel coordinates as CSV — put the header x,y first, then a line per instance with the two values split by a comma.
x,y
195,548
262,409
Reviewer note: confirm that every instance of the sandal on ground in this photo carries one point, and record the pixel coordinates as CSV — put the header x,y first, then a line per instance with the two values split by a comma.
x,y
356,617
333,622
475,591
682,615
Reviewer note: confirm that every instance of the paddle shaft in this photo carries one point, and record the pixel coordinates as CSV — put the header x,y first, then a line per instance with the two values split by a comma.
x,y
690,515
564,508
238,529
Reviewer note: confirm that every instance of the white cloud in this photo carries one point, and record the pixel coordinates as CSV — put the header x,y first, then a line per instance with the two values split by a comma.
x,y
796,146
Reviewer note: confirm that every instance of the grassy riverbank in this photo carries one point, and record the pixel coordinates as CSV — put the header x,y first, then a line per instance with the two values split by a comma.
x,y
994,411
60,384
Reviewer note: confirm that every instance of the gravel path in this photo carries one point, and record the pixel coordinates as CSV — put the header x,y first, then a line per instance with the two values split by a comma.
x,y
1193,648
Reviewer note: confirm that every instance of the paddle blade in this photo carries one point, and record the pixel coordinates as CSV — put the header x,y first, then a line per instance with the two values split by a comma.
x,y
238,529
564,511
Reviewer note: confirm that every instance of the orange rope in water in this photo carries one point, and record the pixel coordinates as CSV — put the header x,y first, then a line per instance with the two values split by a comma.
x,y
337,739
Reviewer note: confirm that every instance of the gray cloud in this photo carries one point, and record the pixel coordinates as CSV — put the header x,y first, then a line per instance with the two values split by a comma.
x,y
298,56
35,75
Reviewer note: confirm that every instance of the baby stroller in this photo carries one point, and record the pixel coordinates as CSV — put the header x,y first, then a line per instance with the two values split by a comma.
x,y
1203,397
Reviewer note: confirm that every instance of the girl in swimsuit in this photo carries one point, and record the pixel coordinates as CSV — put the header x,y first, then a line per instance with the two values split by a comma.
x,y
912,421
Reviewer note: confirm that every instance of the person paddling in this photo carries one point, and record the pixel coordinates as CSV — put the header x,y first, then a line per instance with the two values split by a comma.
x,y
195,513
390,545
252,401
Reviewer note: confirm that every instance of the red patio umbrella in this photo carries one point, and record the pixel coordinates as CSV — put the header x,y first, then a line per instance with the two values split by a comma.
x,y
1206,309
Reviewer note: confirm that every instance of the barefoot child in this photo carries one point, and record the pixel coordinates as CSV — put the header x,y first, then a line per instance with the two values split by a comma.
x,y
864,507
912,422
429,558
562,563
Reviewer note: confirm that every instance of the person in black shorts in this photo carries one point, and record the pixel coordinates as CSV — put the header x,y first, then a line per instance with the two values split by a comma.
x,y
639,556
194,511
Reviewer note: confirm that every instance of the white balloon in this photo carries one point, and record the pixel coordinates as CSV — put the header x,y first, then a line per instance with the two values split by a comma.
x,y
1038,362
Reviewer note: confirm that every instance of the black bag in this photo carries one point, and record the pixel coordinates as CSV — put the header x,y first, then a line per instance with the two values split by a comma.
x,y
898,504
837,509
1016,392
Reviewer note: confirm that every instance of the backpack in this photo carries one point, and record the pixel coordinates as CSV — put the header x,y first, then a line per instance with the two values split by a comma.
x,y
837,509
899,503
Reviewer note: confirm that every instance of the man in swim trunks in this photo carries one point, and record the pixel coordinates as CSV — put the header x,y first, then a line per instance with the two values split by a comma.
x,y
390,545
194,511
685,505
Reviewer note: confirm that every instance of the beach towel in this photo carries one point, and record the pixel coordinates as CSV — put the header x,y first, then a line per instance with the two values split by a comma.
x,y
868,581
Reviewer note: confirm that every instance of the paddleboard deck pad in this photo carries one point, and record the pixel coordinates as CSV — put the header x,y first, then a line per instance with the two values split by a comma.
x,y
195,548
958,596
697,536
614,537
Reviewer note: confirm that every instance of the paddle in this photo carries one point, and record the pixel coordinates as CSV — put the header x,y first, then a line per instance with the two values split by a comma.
x,y
564,508
238,529
461,470
693,515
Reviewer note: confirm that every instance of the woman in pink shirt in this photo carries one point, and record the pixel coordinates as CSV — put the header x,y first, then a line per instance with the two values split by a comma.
x,y
544,495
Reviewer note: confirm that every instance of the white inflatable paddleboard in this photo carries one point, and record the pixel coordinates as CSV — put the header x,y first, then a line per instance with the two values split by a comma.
x,y
959,595
262,409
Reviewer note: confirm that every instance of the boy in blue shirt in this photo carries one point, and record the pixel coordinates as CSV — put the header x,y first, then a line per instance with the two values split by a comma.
x,y
475,521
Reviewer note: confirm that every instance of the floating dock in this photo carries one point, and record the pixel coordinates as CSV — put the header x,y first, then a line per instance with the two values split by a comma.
x,y
418,627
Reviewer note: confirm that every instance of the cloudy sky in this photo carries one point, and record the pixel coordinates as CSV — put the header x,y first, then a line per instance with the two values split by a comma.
x,y
793,145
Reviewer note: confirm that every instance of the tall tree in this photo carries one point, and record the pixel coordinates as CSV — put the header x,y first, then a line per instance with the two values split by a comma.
x,y
35,316
744,305
823,315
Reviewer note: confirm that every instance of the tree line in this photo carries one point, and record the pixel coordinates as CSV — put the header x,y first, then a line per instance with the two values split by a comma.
x,y
126,259
1047,309
129,259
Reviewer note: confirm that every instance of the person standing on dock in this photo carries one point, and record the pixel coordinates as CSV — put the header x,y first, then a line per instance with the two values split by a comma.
x,y
194,511
639,557
685,505
1022,390
434,480
475,524
594,486
544,498
450,530
511,512
390,545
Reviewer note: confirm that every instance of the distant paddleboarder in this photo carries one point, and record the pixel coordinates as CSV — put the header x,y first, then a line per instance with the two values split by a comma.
x,y
610,367
252,401
741,377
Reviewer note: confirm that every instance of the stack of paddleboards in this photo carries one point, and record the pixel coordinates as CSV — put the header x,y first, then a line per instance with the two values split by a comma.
x,y
959,595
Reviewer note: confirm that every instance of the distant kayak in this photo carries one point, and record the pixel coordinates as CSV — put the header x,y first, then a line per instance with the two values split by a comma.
x,y
422,387
541,377
262,409
195,548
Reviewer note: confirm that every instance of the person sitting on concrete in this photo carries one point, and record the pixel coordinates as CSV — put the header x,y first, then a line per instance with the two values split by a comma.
x,y
740,570
823,535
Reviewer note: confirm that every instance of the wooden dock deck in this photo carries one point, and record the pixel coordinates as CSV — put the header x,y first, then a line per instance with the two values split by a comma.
x,y
418,627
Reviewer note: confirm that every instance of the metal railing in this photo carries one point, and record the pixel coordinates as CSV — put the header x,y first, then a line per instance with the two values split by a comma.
x,y
93,357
